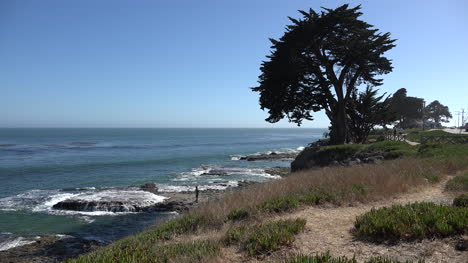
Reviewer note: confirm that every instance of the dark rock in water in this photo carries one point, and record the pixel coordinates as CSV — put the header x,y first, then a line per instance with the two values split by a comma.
x,y
89,206
269,157
49,248
149,187
215,173
281,171
7,145
112,200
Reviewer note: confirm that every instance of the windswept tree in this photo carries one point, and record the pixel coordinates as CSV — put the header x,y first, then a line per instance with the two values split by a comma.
x,y
437,112
317,65
367,110
408,110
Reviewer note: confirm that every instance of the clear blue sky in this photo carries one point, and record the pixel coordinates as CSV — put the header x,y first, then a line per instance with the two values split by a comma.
x,y
113,63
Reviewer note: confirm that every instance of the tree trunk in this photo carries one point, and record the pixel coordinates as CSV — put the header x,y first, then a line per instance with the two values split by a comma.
x,y
339,129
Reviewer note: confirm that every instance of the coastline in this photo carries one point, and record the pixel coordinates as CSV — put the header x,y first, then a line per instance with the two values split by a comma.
x,y
45,248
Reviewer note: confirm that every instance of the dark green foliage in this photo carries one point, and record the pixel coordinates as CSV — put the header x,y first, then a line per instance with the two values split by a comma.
x,y
413,221
366,110
328,154
303,67
461,201
406,109
237,215
326,258
458,183
264,238
437,112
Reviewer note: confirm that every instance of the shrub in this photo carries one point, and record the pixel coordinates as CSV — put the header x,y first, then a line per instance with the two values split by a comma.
x,y
237,214
266,237
280,204
412,221
461,201
458,183
165,231
138,252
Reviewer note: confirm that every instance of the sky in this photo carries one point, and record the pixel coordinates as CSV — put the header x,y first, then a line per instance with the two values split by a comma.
x,y
146,63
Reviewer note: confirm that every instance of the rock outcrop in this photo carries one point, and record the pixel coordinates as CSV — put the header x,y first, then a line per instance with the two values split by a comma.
x,y
274,156
49,248
315,155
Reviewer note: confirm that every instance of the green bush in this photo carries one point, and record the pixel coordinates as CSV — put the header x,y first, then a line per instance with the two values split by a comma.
x,y
458,183
237,214
266,237
326,258
412,221
328,154
147,252
461,201
392,149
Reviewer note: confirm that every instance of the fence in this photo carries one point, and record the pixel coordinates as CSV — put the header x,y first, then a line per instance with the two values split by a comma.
x,y
446,139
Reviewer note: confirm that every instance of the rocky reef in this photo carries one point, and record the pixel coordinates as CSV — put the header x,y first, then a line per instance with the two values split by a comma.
x,y
273,156
46,248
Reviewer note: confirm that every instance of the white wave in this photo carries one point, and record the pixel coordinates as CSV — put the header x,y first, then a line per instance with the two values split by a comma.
x,y
44,200
15,242
52,200
87,219
236,157
277,151
189,188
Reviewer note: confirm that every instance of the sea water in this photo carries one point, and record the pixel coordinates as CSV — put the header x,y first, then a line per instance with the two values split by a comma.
x,y
40,167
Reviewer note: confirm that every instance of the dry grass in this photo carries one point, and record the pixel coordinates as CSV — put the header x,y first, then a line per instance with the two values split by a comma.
x,y
348,185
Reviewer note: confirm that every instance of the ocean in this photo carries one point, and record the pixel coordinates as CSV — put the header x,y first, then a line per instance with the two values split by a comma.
x,y
40,167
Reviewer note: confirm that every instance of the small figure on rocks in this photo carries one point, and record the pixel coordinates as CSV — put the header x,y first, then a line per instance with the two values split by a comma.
x,y
394,134
196,194
401,134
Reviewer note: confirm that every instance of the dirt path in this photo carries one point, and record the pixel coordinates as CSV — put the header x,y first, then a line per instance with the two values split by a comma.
x,y
329,229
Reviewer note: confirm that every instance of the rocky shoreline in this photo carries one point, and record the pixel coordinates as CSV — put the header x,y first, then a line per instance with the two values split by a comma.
x,y
151,199
55,248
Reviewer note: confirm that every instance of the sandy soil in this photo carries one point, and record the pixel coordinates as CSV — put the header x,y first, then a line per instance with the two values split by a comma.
x,y
330,229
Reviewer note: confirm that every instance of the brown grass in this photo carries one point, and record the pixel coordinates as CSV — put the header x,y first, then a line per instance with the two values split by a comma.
x,y
348,185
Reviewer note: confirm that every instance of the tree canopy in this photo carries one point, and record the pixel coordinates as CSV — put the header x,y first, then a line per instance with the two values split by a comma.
x,y
406,109
437,112
367,110
318,64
